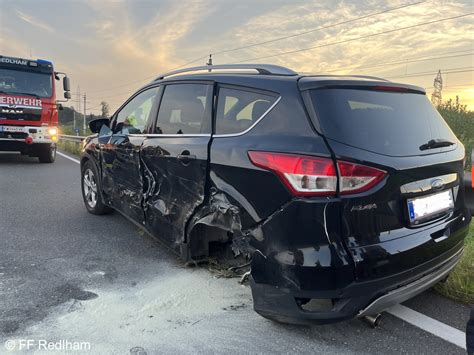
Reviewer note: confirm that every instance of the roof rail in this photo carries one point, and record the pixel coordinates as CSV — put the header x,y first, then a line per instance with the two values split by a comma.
x,y
268,69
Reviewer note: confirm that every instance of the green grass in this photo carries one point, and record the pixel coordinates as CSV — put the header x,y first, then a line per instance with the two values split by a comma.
x,y
70,147
460,284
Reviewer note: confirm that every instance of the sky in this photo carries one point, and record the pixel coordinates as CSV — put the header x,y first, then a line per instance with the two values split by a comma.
x,y
111,48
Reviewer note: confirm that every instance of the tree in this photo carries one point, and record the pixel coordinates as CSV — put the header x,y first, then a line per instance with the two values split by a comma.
x,y
454,106
104,108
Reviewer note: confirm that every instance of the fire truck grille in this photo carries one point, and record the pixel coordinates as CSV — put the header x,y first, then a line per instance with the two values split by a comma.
x,y
20,114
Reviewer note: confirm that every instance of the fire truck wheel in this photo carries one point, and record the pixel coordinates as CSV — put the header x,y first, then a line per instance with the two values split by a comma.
x,y
91,190
47,154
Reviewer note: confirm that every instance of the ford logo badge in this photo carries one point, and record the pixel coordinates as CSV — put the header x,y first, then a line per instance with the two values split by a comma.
x,y
437,184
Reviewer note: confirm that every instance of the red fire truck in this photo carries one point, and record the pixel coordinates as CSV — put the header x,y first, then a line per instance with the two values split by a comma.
x,y
28,107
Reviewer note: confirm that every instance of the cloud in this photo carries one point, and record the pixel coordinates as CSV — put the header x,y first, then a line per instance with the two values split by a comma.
x,y
424,40
153,43
34,22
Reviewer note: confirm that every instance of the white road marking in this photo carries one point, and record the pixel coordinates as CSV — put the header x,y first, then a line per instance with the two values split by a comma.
x,y
68,157
430,325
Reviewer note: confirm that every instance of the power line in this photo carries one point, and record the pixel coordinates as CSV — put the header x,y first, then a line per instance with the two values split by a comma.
x,y
380,64
356,38
402,61
449,71
460,85
148,78
271,41
317,28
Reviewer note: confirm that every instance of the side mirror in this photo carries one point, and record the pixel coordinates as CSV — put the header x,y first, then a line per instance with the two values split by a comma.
x,y
96,125
60,107
66,85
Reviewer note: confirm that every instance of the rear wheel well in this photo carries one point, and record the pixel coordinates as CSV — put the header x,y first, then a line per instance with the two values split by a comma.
x,y
207,243
204,240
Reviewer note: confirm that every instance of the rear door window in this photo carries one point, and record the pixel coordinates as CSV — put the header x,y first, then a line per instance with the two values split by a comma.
x,y
185,109
385,122
238,110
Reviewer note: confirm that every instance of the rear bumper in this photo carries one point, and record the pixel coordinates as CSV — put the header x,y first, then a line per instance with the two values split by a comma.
x,y
368,298
412,289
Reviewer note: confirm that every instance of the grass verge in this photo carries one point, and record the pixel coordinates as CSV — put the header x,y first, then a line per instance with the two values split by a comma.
x,y
70,147
460,284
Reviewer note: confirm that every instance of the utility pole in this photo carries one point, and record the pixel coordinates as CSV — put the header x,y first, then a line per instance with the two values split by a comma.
x,y
84,125
78,107
436,97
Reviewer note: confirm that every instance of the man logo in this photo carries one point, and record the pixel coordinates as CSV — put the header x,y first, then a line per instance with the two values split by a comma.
x,y
11,110
437,184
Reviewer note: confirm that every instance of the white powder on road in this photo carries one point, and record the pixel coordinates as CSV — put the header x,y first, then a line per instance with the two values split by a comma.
x,y
155,314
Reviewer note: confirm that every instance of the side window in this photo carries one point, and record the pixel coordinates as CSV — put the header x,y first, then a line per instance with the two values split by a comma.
x,y
238,110
133,117
185,109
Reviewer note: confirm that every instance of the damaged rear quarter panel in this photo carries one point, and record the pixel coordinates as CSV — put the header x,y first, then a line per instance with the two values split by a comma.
x,y
295,244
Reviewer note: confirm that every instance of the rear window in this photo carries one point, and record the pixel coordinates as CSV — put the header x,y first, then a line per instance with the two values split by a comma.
x,y
238,110
390,123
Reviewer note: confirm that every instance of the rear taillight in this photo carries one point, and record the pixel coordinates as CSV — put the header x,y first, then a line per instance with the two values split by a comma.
x,y
303,175
315,176
355,178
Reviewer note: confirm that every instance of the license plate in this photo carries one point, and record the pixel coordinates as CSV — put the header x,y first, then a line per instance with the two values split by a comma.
x,y
427,207
11,129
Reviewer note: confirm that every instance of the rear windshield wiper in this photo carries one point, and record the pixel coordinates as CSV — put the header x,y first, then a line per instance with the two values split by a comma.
x,y
436,143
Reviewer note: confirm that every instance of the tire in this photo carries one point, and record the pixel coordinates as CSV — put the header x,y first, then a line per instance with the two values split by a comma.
x,y
47,154
91,190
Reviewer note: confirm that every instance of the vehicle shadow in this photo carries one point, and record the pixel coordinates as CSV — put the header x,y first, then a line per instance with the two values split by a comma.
x,y
16,158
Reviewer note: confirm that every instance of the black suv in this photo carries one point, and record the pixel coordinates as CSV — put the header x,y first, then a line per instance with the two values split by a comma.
x,y
344,190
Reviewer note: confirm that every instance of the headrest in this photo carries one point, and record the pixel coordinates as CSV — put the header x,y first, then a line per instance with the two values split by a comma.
x,y
192,111
259,108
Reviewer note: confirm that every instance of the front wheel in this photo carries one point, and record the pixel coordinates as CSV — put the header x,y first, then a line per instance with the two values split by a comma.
x,y
90,190
47,154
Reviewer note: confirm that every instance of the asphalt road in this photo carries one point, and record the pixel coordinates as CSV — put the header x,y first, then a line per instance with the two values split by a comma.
x,y
68,275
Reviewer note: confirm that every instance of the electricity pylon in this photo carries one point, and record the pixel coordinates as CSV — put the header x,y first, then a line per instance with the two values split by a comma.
x,y
436,96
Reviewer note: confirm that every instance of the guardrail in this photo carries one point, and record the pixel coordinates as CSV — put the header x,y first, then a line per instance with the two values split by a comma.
x,y
71,144
68,138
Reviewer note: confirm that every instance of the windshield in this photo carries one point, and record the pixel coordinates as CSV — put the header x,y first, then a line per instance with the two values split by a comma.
x,y
389,123
25,82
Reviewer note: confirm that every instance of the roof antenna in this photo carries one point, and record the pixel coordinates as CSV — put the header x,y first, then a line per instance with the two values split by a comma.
x,y
209,62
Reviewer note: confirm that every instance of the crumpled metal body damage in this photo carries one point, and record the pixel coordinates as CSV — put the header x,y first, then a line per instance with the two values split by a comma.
x,y
219,213
172,189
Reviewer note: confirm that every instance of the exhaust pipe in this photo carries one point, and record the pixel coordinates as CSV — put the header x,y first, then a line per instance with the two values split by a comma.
x,y
373,321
